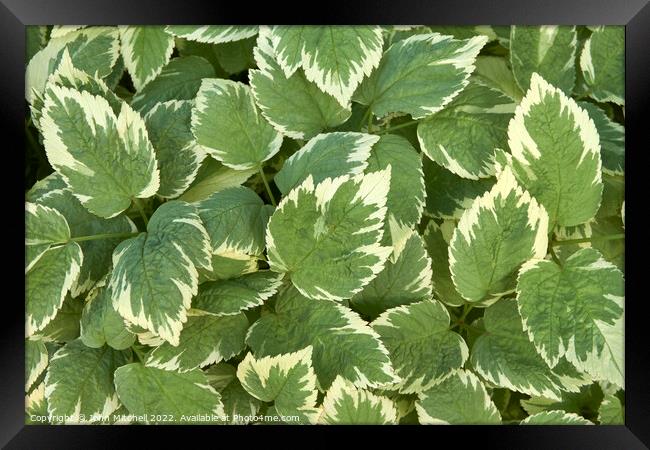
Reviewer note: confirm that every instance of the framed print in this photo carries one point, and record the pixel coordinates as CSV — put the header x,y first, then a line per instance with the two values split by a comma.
x,y
242,217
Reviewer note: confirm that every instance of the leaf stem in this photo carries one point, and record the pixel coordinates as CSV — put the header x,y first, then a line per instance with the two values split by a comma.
x,y
268,188
610,237
397,127
554,256
367,117
140,208
466,310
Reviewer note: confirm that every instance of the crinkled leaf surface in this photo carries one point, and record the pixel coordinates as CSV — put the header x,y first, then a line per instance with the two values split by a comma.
x,y
343,344
421,346
164,396
461,399
79,384
346,404
420,75
155,274
204,340
228,125
287,380
326,237
556,154
575,311
502,229
438,250
106,159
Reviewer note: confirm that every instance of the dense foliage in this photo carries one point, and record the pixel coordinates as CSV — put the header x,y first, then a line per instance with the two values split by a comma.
x,y
324,225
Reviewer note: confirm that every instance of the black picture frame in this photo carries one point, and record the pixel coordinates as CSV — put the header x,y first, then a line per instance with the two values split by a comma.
x,y
634,14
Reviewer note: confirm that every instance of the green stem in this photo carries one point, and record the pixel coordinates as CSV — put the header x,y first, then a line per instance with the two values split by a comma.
x,y
476,330
140,208
367,117
268,188
397,127
554,256
610,237
466,310
138,353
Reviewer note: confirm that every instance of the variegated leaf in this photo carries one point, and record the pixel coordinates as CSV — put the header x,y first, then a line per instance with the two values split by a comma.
x,y
602,63
346,404
406,278
555,418
327,237
204,340
501,230
155,274
79,383
228,125
327,155
106,159
179,157
421,346
230,296
461,399
438,250
212,34
343,344
36,361
162,396
556,154
575,311
420,75
336,58
287,380
294,106
612,140
506,358
549,50
145,49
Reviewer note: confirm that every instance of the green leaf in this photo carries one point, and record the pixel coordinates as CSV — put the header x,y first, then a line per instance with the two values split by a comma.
x,y
340,253
294,106
612,139
65,326
611,411
575,311
336,58
48,280
179,158
96,253
212,177
287,380
235,219
231,296
556,154
79,383
36,407
345,404
461,399
406,278
447,194
420,75
327,155
421,347
463,136
178,80
235,56
204,340
36,361
154,276
161,396
92,50
602,63
212,34
145,49
229,265
494,71
438,250
100,322
555,418
585,402
343,344
502,229
406,181
228,125
239,406
549,50
504,356
107,160
43,227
